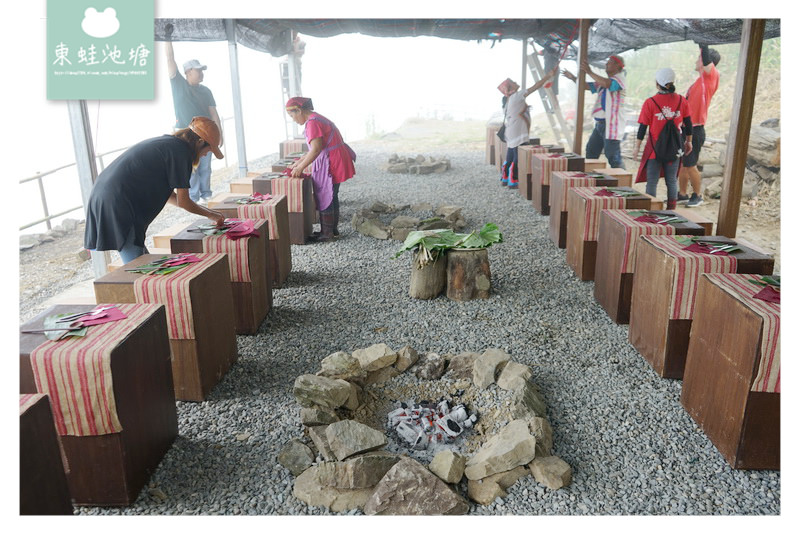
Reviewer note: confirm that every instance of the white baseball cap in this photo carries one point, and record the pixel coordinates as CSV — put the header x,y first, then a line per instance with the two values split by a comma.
x,y
665,76
193,63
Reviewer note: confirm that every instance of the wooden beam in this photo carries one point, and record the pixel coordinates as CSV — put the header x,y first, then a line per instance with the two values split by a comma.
x,y
583,53
741,120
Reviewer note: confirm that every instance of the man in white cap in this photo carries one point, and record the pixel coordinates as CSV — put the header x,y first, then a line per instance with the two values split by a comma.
x,y
192,99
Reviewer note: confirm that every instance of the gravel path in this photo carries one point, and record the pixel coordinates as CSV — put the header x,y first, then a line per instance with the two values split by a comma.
x,y
632,447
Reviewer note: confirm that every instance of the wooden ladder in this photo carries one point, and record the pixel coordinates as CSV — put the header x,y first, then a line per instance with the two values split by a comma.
x,y
559,126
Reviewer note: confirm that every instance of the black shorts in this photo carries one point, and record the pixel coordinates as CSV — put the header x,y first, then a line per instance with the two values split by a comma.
x,y
698,138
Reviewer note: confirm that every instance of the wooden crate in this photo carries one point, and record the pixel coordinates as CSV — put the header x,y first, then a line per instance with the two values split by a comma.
x,y
624,177
197,364
301,222
111,469
582,251
612,285
559,184
43,486
594,164
540,180
252,300
661,340
280,250
722,364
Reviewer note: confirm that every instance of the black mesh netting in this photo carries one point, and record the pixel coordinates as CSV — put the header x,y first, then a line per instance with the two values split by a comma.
x,y
556,36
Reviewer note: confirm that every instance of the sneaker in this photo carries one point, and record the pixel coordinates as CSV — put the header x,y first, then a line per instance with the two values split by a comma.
x,y
694,201
683,198
202,201
513,185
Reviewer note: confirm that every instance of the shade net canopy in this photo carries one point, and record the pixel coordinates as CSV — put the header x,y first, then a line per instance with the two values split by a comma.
x,y
556,36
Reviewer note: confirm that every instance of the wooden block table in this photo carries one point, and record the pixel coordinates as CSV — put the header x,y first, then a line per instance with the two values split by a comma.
x,y
275,211
590,165
560,183
525,157
491,135
583,223
616,254
42,482
731,385
248,264
300,202
292,145
692,215
110,447
663,296
624,177
241,185
200,317
500,150
542,166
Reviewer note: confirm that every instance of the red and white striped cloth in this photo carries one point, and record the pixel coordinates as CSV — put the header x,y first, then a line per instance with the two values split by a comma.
x,y
570,178
594,205
291,146
27,400
548,163
768,377
688,267
235,249
172,290
265,210
292,188
76,374
633,230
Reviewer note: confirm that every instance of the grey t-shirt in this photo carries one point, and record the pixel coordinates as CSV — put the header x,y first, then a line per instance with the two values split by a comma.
x,y
190,100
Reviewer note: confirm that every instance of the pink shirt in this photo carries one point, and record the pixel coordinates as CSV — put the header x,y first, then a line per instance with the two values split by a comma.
x,y
341,164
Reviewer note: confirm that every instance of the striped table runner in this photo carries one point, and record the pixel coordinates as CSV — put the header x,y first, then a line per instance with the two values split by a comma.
x,y
27,400
76,374
633,230
265,210
292,188
768,377
172,290
594,205
570,178
689,266
548,163
235,249
291,146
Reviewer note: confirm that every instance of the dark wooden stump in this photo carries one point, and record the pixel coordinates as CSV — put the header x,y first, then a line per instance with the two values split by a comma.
x,y
468,274
429,281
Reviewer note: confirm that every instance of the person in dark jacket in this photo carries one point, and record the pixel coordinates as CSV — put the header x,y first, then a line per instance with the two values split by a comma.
x,y
134,188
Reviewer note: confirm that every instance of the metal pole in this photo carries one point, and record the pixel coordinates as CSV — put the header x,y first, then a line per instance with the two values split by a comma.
x,y
294,83
87,169
230,31
523,83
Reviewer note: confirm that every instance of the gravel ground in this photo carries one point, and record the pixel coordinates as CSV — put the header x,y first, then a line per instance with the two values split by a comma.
x,y
632,447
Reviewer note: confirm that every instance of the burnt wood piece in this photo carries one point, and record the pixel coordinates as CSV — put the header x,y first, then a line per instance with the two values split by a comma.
x,y
721,364
197,364
111,469
624,177
252,300
43,486
582,254
429,281
468,274
558,212
300,223
663,341
540,192
280,250
612,287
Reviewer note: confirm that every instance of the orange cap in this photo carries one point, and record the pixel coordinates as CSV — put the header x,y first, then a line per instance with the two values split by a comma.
x,y
207,130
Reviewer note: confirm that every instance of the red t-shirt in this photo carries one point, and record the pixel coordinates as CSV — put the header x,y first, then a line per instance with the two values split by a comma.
x,y
341,164
700,93
674,107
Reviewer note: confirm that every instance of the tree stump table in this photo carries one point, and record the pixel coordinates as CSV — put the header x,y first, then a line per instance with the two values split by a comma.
x,y
542,166
664,291
560,183
299,202
731,385
468,274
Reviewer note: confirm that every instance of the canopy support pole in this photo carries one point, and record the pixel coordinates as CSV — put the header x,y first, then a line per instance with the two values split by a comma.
x,y
230,31
523,82
583,54
741,120
294,82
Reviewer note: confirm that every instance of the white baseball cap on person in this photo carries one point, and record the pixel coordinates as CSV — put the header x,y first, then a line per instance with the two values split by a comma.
x,y
193,63
665,76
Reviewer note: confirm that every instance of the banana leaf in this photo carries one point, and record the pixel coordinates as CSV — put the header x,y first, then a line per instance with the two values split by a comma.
x,y
432,243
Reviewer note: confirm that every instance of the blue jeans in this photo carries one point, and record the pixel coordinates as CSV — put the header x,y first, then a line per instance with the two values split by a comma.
x,y
130,251
200,181
598,144
670,176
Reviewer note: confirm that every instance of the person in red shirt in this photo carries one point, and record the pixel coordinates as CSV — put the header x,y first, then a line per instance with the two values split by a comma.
x,y
699,97
656,111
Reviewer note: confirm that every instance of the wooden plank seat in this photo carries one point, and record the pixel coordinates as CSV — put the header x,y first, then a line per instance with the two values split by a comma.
x,y
543,165
616,254
560,183
43,486
731,383
664,290
299,200
248,264
111,446
583,223
199,308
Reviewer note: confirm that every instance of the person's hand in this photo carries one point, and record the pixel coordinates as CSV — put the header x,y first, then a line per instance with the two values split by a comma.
x,y
168,29
585,65
216,217
687,147
569,75
297,172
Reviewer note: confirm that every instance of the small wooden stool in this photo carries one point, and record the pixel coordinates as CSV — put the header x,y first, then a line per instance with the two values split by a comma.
x,y
583,224
300,202
275,211
731,385
42,482
109,454
543,165
616,254
248,264
663,295
202,336
560,183
624,177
